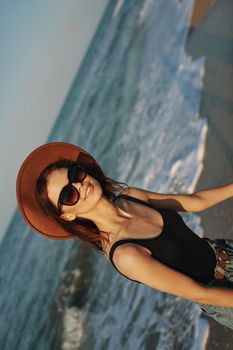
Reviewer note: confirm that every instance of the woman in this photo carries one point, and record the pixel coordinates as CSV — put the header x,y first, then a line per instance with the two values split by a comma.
x,y
62,193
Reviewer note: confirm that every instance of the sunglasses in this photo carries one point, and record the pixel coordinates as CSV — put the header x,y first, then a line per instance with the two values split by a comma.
x,y
69,195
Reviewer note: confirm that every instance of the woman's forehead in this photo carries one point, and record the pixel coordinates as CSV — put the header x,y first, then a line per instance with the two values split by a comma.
x,y
57,175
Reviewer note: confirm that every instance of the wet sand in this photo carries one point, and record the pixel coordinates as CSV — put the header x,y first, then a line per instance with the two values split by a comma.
x,y
213,39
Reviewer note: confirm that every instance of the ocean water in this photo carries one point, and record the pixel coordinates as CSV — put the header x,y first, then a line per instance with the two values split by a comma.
x,y
134,105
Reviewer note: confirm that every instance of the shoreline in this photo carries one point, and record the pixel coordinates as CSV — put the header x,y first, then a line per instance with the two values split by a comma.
x,y
211,36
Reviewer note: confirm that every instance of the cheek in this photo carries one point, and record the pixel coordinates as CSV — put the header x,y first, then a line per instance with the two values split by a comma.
x,y
95,193
96,185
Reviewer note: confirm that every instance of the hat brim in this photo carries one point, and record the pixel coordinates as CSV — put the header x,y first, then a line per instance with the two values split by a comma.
x,y
27,177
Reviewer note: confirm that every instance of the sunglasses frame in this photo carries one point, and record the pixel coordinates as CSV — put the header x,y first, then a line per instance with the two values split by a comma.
x,y
71,178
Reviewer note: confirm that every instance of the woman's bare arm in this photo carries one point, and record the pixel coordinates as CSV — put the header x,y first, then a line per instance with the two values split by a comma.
x,y
138,265
215,195
194,202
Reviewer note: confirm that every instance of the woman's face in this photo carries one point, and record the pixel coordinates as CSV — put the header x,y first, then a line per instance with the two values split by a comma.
x,y
57,179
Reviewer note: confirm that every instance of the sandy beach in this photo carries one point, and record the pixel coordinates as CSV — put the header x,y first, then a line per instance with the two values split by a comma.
x,y
212,37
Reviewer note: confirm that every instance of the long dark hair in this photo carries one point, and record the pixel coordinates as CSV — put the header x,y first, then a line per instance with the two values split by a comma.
x,y
80,228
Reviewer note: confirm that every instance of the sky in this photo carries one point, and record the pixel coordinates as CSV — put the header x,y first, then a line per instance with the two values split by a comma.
x,y
42,46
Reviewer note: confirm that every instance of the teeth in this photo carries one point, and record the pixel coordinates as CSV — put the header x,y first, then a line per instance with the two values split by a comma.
x,y
88,190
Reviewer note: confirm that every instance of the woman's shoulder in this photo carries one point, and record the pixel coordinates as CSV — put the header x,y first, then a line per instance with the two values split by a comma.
x,y
136,193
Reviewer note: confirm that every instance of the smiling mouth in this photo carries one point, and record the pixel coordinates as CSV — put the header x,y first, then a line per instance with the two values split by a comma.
x,y
88,191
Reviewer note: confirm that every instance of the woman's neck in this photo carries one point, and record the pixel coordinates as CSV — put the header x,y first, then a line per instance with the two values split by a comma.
x,y
108,216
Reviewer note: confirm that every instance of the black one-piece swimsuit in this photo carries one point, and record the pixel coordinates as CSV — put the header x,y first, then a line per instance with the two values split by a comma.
x,y
177,246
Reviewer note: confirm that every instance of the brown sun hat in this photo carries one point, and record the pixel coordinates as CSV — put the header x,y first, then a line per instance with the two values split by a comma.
x,y
26,180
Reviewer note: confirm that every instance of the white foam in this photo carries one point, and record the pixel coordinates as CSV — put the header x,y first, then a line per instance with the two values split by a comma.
x,y
202,331
73,334
117,8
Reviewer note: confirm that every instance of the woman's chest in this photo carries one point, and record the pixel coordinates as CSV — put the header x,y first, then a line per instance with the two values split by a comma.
x,y
145,222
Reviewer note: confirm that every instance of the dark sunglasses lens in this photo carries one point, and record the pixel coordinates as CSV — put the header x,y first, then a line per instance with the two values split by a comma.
x,y
69,195
76,173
